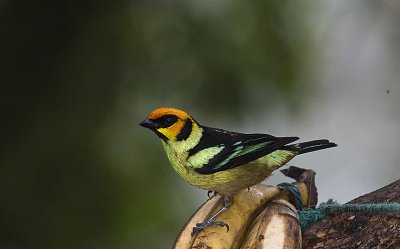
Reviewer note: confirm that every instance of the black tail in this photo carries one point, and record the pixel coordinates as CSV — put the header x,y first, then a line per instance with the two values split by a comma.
x,y
310,146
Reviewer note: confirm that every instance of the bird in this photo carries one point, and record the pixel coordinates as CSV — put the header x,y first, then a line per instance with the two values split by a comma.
x,y
222,161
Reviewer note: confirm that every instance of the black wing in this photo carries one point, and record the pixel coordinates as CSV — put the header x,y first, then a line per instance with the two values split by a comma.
x,y
237,148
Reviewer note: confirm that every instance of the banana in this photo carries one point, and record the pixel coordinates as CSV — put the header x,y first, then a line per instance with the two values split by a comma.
x,y
277,227
259,217
245,207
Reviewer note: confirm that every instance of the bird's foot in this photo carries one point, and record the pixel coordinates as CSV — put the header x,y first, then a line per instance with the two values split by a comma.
x,y
211,221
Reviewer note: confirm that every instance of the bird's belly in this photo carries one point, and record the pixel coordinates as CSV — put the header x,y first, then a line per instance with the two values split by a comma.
x,y
228,182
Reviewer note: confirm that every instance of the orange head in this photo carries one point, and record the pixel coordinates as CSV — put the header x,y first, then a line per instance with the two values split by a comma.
x,y
170,123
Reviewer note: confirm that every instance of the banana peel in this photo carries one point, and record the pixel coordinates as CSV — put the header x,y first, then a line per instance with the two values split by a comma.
x,y
305,182
277,227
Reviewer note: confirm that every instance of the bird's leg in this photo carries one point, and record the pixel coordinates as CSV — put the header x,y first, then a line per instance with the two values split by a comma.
x,y
211,221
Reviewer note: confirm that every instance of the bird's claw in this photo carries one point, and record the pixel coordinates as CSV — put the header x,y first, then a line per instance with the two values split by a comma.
x,y
201,226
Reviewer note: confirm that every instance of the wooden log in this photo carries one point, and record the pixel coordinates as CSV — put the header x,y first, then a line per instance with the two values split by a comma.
x,y
359,230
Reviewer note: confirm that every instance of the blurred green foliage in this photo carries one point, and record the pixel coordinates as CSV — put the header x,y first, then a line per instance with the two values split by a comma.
x,y
78,76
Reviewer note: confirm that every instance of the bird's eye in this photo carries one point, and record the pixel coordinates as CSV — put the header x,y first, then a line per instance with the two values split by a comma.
x,y
168,121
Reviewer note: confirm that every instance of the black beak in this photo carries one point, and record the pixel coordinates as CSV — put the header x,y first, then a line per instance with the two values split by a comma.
x,y
148,124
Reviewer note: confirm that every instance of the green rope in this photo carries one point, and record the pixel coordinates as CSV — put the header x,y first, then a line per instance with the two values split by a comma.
x,y
311,216
294,192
